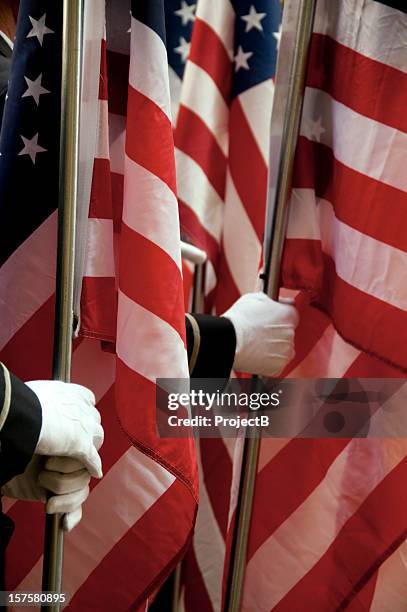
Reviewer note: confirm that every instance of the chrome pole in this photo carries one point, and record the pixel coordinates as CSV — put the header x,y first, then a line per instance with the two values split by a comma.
x,y
286,127
72,32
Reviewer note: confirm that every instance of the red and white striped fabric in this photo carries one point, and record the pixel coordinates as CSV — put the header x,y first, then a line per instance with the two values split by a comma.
x,y
221,157
221,153
125,545
346,245
329,522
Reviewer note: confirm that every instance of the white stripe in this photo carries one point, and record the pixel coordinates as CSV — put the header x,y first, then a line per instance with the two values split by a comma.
x,y
195,190
201,95
93,367
330,357
27,279
151,209
102,144
220,16
240,243
371,266
99,248
282,560
164,355
149,77
370,28
391,586
90,123
236,474
360,143
175,92
257,102
210,277
117,138
133,484
209,551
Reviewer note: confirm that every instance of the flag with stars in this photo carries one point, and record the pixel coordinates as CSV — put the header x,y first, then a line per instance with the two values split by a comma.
x,y
329,516
222,142
179,22
29,142
124,546
221,135
320,531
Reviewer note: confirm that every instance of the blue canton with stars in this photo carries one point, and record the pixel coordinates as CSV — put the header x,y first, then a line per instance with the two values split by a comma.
x,y
255,43
29,139
179,21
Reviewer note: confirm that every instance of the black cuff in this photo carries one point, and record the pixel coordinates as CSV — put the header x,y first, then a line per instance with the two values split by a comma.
x,y
20,432
217,347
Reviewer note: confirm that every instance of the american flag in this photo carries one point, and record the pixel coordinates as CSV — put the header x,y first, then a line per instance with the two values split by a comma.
x,y
334,530
221,139
329,517
125,545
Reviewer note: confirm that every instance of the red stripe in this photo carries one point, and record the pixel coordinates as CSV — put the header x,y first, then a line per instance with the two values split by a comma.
x,y
103,89
118,81
35,337
193,229
101,192
227,291
193,138
217,475
345,188
147,127
135,404
209,53
364,599
368,366
377,90
98,308
248,170
383,329
130,581
364,542
156,283
289,478
312,326
196,593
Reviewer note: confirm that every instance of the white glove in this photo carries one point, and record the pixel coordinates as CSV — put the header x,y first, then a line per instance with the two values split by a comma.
x,y
70,423
264,333
65,477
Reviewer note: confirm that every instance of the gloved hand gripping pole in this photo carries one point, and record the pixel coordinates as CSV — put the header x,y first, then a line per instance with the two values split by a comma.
x,y
284,135
72,42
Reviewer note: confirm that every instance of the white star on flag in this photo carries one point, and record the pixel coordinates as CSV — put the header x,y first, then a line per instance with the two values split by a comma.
x,y
253,19
186,12
277,36
31,147
314,129
183,49
39,29
34,89
241,58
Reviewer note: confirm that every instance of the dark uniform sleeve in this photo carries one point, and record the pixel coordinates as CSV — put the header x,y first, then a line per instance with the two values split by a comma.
x,y
211,343
20,425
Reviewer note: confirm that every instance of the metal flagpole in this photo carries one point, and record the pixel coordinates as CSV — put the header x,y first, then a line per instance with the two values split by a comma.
x,y
284,134
67,203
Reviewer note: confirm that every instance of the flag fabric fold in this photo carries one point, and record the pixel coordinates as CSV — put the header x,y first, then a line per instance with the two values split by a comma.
x,y
132,301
